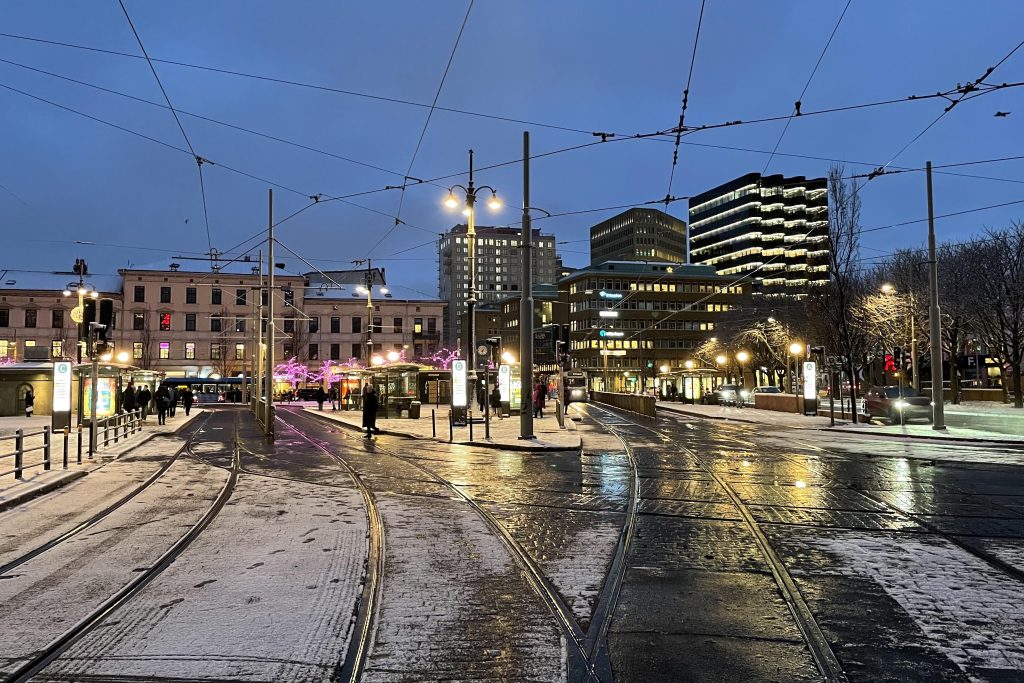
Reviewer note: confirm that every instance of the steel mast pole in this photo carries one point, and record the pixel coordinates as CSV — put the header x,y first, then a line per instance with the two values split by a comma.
x,y
268,419
526,306
938,407
471,301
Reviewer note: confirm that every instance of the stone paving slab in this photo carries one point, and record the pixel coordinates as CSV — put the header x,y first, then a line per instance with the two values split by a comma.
x,y
504,432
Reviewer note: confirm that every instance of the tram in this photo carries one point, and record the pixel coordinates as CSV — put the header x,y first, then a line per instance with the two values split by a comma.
x,y
576,387
209,390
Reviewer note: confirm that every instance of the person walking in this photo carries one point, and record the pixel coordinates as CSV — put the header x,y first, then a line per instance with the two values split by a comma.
x,y
172,397
333,396
481,397
163,402
496,401
370,402
538,399
128,398
320,396
186,400
142,398
30,401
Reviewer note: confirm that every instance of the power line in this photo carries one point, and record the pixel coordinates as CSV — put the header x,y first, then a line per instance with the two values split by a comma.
x,y
423,131
685,103
199,159
803,92
310,86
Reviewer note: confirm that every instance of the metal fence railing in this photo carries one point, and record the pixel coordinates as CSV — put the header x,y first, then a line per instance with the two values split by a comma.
x,y
30,446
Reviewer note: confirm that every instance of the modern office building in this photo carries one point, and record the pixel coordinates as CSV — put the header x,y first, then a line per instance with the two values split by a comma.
x,y
770,230
639,235
499,266
630,320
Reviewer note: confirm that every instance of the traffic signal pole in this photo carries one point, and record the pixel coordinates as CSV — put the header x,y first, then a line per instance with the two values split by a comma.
x,y
938,407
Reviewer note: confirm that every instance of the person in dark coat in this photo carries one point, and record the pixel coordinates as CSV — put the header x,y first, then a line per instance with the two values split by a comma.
x,y
538,399
142,399
496,401
163,402
30,402
187,398
333,396
370,402
128,398
172,397
481,397
321,396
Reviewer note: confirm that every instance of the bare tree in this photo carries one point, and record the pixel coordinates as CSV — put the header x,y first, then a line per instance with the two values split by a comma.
x,y
832,305
146,339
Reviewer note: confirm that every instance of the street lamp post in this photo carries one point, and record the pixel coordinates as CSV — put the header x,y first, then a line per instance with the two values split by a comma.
x,y
741,358
915,382
451,202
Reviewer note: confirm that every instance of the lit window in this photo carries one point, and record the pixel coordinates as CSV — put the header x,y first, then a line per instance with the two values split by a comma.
x,y
165,322
165,349
190,350
56,348
137,350
239,351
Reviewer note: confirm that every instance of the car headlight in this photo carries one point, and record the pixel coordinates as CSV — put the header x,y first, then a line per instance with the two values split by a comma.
x,y
745,394
900,404
577,392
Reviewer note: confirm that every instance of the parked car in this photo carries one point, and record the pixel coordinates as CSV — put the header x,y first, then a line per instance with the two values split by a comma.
x,y
897,404
764,389
729,395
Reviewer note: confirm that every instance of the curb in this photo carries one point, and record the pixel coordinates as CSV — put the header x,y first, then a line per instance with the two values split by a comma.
x,y
41,489
925,437
689,413
474,444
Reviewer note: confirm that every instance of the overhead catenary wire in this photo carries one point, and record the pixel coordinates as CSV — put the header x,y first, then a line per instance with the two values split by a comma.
x,y
686,100
803,92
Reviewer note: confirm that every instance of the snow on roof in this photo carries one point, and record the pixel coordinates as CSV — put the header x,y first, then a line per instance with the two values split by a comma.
x,y
56,281
352,291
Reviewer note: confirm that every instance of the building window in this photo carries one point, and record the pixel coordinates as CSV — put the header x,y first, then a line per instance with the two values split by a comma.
x,y
138,321
190,295
239,324
30,317
56,349
215,351
165,322
289,349
215,324
239,297
165,350
335,351
289,326
165,295
215,296
137,350
140,294
58,318
357,325
357,350
432,325
314,352
335,324
240,351
417,325
398,326
378,325
314,325
289,297
190,322
190,350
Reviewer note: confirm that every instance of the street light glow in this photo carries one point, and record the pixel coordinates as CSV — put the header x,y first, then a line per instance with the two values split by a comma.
x,y
508,358
494,204
393,356
94,295
67,292
743,356
82,291
888,289
796,348
664,368
450,201
689,365
721,360
377,360
122,357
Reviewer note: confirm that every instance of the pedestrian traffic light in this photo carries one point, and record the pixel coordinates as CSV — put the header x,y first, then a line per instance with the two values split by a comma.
x,y
650,364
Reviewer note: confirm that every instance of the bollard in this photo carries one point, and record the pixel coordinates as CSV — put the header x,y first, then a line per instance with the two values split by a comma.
x,y
67,433
19,453
46,447
433,424
451,427
79,444
469,419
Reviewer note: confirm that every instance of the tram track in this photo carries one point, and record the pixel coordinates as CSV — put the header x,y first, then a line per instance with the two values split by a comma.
x,y
46,655
820,649
581,658
95,519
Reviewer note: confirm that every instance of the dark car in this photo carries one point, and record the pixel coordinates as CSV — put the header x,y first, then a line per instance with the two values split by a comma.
x,y
899,405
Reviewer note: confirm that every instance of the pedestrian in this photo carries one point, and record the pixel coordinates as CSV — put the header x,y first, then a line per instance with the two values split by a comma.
x,y
172,397
538,399
345,400
30,400
481,397
333,395
186,400
496,401
142,398
370,403
320,396
128,397
163,402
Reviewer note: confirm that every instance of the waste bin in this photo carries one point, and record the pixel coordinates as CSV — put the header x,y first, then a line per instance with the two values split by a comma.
x,y
414,410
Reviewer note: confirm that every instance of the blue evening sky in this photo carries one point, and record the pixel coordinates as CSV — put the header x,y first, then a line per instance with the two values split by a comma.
x,y
593,65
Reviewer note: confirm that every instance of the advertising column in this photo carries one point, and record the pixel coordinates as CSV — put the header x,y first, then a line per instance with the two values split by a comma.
x,y
61,413
460,395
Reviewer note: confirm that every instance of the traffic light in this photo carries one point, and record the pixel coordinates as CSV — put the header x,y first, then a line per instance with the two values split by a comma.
x,y
106,318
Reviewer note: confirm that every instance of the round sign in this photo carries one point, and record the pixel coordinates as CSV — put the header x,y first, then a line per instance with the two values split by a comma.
x,y
77,314
482,349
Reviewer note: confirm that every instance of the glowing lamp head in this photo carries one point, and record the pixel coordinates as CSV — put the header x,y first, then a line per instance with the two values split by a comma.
x,y
450,201
796,348
67,292
377,360
664,368
362,290
94,295
122,357
466,211
508,358
494,204
393,356
106,357
689,365
721,360
743,356
384,290
888,289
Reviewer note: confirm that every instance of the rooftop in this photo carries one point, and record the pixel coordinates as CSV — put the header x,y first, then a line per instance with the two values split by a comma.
x,y
659,268
56,281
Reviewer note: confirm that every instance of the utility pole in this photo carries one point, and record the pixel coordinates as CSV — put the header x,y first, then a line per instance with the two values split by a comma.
x,y
369,311
268,418
915,381
938,407
93,328
526,306
257,335
471,300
